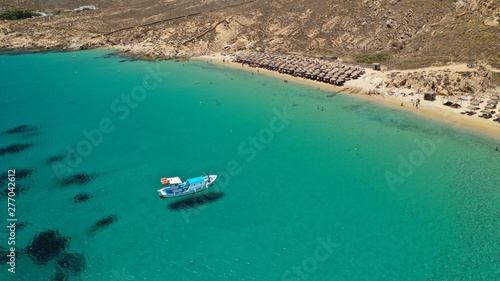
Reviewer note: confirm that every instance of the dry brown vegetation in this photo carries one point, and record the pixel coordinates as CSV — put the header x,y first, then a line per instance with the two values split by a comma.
x,y
410,33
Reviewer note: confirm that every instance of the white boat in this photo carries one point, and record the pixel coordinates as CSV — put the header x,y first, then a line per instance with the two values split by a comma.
x,y
174,186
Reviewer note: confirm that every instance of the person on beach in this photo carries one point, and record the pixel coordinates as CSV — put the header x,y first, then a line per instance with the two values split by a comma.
x,y
401,104
412,102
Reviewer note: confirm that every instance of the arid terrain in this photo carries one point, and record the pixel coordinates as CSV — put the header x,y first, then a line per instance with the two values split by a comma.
x,y
399,34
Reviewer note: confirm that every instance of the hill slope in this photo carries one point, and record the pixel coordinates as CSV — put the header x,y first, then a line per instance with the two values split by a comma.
x,y
412,32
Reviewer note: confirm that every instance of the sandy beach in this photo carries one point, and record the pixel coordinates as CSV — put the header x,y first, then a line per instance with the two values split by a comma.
x,y
396,98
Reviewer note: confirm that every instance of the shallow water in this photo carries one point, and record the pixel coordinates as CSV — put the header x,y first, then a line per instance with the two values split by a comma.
x,y
310,186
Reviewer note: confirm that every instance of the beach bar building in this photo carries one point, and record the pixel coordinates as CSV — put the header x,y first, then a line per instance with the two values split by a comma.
x,y
430,96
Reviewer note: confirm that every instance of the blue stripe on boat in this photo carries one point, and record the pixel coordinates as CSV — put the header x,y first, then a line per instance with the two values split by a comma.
x,y
196,180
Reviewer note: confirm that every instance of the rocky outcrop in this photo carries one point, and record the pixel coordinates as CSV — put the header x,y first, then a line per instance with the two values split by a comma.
x,y
444,82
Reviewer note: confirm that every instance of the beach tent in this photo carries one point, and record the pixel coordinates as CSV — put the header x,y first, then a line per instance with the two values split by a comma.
x,y
430,96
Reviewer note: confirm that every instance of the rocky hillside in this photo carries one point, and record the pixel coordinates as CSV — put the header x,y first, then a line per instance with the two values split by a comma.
x,y
476,82
410,33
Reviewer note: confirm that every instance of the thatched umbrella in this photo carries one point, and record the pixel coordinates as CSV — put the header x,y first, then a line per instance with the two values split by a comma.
x,y
492,102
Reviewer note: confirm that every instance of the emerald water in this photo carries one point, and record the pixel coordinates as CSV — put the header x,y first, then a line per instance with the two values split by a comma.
x,y
312,186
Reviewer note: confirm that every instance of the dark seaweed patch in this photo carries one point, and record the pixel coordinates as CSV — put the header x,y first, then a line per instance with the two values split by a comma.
x,y
60,276
353,107
332,95
102,224
195,201
395,123
3,258
22,225
19,175
20,188
78,179
24,173
82,197
47,245
27,136
72,262
23,129
15,148
54,159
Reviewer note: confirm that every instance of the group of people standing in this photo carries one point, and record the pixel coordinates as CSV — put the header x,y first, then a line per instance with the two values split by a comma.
x,y
415,103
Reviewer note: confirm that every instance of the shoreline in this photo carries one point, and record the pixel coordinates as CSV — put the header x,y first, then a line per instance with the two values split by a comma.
x,y
430,110
357,88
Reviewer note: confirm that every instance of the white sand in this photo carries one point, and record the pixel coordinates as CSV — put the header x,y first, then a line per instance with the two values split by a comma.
x,y
392,97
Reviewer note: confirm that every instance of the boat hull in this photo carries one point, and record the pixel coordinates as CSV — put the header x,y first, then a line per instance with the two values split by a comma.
x,y
188,187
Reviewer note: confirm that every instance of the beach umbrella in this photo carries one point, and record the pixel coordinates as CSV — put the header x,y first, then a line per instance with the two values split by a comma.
x,y
495,97
498,115
486,111
492,102
472,107
474,102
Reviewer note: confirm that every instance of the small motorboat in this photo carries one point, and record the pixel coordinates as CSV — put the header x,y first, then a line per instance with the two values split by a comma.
x,y
174,186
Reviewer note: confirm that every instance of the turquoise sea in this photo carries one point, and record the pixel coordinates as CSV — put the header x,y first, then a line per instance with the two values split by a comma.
x,y
312,185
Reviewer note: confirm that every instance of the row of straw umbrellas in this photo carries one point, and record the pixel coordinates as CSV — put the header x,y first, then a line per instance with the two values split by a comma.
x,y
490,104
335,73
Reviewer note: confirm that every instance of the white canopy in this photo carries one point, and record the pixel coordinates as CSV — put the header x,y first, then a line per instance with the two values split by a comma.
x,y
174,180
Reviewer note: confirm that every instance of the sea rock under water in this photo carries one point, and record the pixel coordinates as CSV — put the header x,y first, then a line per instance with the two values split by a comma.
x,y
47,245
